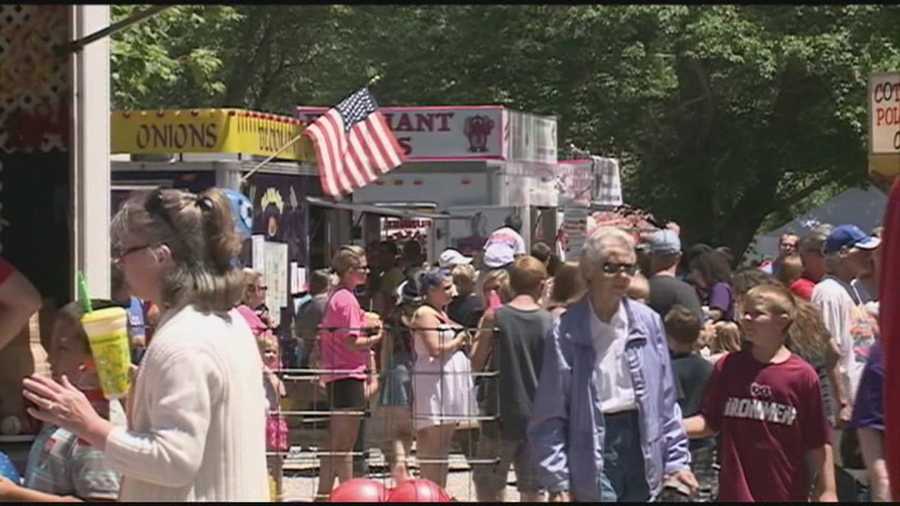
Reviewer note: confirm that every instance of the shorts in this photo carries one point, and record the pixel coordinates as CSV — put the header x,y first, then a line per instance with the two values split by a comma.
x,y
396,387
490,479
347,393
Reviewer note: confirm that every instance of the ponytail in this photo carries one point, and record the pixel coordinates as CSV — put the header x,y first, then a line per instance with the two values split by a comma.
x,y
200,232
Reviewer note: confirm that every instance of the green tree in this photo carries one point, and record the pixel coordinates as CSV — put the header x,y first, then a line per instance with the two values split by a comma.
x,y
725,117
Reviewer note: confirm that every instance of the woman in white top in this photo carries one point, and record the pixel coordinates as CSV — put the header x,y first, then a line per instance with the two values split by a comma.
x,y
196,431
443,393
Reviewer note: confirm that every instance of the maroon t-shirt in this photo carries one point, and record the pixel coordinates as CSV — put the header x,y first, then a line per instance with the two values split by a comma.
x,y
769,417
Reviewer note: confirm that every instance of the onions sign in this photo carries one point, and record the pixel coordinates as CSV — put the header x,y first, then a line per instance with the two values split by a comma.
x,y
884,113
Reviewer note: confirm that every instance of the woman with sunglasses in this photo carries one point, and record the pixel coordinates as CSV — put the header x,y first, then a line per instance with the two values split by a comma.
x,y
253,299
345,344
255,296
196,426
605,425
443,392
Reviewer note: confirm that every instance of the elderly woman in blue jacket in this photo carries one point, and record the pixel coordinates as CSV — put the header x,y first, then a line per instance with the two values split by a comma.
x,y
605,424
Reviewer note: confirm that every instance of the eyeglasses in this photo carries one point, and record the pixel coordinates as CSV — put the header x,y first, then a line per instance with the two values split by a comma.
x,y
613,268
364,268
134,249
261,288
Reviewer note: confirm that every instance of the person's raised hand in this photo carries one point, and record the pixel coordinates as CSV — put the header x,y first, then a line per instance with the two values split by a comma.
x,y
62,405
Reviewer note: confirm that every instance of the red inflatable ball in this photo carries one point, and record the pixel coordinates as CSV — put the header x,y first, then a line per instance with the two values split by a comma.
x,y
359,490
418,490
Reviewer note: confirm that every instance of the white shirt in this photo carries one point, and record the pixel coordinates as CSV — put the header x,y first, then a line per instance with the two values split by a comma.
x,y
508,238
611,375
197,426
833,299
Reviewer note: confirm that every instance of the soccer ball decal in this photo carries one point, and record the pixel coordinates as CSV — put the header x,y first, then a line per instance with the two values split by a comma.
x,y
242,211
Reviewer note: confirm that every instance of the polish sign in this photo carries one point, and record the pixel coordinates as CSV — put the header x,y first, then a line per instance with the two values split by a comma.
x,y
884,113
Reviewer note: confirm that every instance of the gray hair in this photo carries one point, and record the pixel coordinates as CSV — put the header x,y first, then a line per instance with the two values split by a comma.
x,y
814,240
596,248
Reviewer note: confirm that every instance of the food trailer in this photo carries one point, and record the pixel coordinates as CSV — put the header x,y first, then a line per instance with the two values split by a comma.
x,y
475,164
196,149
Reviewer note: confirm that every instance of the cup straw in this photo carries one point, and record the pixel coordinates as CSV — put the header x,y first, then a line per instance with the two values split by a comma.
x,y
83,296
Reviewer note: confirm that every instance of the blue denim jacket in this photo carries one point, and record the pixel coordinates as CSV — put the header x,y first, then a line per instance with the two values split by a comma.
x,y
566,428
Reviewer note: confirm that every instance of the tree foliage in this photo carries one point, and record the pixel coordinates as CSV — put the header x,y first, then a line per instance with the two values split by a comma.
x,y
725,117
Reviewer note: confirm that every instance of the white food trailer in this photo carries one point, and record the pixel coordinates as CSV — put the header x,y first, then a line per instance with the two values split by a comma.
x,y
477,164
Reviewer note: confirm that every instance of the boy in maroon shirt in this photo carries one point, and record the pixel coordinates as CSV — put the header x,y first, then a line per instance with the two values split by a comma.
x,y
765,403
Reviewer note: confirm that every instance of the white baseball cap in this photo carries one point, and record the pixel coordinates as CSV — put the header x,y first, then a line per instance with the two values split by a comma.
x,y
450,258
498,255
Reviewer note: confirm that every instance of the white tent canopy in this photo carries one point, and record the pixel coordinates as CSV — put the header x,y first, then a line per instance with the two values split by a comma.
x,y
861,207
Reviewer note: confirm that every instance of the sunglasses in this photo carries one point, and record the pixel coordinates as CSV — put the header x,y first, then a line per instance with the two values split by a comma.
x,y
614,268
119,256
257,288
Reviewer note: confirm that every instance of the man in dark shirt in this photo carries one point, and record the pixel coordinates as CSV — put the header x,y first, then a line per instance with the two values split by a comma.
x,y
666,290
691,374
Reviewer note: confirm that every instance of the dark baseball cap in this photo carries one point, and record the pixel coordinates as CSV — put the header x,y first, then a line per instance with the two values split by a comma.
x,y
849,236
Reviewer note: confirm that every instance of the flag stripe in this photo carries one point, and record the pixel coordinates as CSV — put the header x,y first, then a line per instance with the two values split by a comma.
x,y
360,155
315,134
354,144
337,170
357,162
383,144
373,150
385,134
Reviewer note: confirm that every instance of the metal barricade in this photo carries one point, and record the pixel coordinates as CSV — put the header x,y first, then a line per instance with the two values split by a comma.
x,y
307,457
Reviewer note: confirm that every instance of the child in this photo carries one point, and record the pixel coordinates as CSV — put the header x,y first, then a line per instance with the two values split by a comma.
x,y
765,403
725,338
790,270
691,375
60,466
276,425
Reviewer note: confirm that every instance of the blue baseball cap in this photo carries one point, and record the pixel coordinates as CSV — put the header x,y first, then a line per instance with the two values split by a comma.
x,y
849,236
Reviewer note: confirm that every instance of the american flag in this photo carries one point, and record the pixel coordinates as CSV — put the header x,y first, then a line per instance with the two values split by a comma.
x,y
354,145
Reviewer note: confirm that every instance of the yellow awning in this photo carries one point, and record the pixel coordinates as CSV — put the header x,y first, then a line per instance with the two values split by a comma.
x,y
208,131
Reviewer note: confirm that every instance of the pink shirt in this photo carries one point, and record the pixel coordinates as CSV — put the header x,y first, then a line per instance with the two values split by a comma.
x,y
253,321
342,311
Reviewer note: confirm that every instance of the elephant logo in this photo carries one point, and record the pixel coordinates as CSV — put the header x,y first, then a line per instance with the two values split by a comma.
x,y
477,128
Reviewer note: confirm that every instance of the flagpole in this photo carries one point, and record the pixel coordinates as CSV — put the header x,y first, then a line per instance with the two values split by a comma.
x,y
271,157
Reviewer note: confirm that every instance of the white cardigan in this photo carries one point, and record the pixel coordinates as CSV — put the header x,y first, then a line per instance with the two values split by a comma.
x,y
197,431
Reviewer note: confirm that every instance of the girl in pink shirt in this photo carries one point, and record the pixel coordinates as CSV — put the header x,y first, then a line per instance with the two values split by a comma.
x,y
346,350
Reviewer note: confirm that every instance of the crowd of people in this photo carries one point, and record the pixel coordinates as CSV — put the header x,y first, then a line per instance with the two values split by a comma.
x,y
645,370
